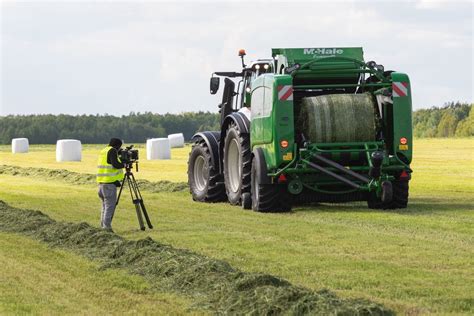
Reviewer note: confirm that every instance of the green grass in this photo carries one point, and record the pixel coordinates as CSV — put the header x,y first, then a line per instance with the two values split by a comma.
x,y
35,279
418,260
212,284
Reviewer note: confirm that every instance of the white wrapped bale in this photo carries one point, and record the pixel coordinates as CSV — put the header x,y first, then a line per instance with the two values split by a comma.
x,y
158,149
68,150
148,148
20,145
176,140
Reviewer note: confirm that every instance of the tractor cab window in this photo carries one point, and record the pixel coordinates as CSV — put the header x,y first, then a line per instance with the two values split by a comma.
x,y
261,102
257,102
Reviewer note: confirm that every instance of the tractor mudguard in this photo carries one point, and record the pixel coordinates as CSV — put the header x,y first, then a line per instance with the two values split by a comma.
x,y
240,119
242,122
212,140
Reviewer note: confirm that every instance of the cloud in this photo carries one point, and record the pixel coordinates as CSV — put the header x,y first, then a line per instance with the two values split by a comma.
x,y
157,56
432,4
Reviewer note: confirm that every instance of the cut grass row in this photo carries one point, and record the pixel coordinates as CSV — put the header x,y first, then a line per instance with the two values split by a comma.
x,y
212,284
35,279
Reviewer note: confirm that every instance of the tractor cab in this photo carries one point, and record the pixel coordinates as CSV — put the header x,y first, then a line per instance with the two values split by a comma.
x,y
237,98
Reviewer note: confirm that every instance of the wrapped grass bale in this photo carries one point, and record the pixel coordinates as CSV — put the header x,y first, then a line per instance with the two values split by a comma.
x,y
176,140
338,118
20,145
158,149
68,150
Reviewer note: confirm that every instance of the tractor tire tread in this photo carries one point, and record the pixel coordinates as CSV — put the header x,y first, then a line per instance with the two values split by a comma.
x,y
244,141
272,197
215,189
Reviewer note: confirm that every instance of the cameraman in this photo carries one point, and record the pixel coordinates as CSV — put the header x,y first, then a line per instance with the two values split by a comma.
x,y
109,177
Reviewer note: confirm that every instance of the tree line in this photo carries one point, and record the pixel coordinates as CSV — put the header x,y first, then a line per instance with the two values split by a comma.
x,y
454,119
98,129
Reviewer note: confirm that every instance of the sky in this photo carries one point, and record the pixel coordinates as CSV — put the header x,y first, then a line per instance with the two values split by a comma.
x,y
96,57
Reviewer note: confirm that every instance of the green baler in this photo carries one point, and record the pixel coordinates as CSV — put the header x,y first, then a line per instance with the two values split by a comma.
x,y
308,125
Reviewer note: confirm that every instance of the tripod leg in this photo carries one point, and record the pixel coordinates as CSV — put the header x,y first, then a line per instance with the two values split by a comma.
x,y
120,191
142,204
148,222
136,202
139,216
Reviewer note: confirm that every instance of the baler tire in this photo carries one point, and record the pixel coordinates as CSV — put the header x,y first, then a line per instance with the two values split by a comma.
x,y
268,197
387,192
213,189
399,200
400,194
242,140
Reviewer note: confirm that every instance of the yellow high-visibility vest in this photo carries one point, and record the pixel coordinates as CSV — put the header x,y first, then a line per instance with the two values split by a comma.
x,y
106,173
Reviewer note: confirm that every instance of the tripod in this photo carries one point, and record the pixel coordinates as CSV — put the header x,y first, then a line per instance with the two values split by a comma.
x,y
136,196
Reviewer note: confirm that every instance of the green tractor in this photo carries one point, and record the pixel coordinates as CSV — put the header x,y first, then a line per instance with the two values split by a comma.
x,y
307,125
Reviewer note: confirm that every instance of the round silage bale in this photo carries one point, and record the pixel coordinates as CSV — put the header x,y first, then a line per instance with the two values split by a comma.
x,y
20,145
158,149
338,118
68,150
176,140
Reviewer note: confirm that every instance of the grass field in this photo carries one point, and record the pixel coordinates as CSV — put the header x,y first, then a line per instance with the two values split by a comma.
x,y
415,261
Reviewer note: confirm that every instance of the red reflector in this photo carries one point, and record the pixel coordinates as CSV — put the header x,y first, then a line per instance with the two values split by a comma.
x,y
403,141
282,178
284,143
404,175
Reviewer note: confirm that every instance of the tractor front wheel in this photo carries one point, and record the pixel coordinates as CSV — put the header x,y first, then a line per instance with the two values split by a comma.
x,y
204,180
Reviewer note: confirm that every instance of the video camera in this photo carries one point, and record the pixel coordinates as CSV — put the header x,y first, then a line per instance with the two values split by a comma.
x,y
128,156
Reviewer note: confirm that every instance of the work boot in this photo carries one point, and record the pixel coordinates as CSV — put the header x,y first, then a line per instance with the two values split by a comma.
x,y
108,229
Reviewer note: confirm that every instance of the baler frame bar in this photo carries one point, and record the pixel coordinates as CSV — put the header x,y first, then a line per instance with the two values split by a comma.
x,y
332,174
303,164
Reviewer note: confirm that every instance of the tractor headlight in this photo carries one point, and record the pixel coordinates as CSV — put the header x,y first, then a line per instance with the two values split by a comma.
x,y
266,66
257,67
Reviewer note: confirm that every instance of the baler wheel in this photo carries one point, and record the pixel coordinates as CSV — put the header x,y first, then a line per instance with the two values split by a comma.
x,y
268,197
399,197
400,194
237,163
204,180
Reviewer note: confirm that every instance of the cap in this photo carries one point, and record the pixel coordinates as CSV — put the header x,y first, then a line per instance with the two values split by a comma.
x,y
115,142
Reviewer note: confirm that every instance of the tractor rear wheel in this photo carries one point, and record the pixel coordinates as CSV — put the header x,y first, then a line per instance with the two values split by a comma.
x,y
237,164
204,180
399,198
266,196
